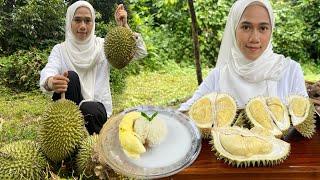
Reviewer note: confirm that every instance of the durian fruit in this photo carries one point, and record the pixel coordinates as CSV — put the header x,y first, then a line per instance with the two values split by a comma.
x,y
302,112
241,119
150,131
22,160
119,46
61,130
129,140
84,162
214,109
279,113
259,115
241,147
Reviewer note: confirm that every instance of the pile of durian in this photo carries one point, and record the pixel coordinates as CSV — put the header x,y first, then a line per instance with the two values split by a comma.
x,y
62,140
251,136
137,131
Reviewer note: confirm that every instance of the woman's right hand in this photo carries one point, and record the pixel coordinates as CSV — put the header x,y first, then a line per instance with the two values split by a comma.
x,y
58,83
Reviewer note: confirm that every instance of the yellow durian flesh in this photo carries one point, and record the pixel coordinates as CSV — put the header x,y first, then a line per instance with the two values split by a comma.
x,y
127,122
201,112
299,106
302,113
259,115
131,144
279,113
129,140
226,110
245,146
276,108
242,148
214,109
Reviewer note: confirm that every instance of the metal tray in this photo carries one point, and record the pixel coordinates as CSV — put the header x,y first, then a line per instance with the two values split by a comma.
x,y
177,151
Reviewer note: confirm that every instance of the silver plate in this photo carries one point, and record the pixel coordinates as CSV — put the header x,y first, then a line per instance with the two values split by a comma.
x,y
178,150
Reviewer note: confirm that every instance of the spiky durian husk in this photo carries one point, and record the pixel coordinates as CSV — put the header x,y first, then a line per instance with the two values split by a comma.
x,y
84,161
242,120
22,160
241,162
205,133
61,130
308,127
120,46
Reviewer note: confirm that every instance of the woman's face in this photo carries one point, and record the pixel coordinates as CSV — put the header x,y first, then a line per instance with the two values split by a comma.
x,y
253,32
82,24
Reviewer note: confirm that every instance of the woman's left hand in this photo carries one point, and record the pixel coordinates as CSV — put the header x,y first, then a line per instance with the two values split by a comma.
x,y
120,16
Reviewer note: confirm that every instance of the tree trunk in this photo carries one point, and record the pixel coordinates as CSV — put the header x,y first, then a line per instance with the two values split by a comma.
x,y
195,41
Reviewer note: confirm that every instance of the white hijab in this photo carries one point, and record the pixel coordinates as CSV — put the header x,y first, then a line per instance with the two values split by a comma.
x,y
83,56
243,78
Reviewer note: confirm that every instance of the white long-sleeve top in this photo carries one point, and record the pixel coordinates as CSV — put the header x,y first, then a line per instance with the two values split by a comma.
x,y
57,65
292,82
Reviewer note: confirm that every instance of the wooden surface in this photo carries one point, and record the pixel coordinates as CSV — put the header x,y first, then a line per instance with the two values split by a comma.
x,y
302,163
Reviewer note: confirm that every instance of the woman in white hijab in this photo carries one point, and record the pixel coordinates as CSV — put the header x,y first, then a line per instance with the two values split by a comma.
x,y
79,68
247,66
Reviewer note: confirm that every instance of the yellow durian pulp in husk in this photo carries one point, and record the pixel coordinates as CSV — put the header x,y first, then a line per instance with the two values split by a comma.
x,y
241,147
302,112
214,109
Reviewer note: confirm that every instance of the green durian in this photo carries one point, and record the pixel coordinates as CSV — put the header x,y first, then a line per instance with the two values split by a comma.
x,y
61,130
119,46
85,164
241,147
302,112
22,160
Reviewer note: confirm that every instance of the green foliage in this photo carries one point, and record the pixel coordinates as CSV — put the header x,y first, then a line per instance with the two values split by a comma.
x,y
212,17
21,71
117,80
168,30
38,23
310,10
290,37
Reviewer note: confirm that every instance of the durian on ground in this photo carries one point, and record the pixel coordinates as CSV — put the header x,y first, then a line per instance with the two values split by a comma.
x,y
22,160
61,130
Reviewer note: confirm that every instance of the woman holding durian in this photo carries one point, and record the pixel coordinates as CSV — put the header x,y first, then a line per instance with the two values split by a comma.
x,y
78,66
247,67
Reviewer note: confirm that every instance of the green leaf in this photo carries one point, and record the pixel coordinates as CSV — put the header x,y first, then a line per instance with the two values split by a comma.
x,y
149,118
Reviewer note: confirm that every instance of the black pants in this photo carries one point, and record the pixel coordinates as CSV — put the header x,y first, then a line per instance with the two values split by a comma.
x,y
94,112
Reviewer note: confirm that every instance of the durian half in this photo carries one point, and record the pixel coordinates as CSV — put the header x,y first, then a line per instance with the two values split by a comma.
x,y
279,113
302,112
241,147
214,109
259,115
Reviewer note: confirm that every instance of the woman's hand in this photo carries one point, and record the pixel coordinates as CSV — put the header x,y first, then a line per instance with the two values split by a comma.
x,y
58,83
120,16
